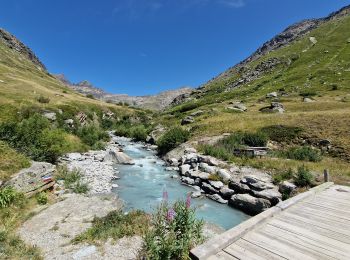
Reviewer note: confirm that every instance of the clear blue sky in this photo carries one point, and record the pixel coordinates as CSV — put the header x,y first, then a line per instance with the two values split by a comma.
x,y
142,47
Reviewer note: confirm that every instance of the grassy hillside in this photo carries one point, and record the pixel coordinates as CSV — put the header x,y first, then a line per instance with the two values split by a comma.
x,y
320,71
27,91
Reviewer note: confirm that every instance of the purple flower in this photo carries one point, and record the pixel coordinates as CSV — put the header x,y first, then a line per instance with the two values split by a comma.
x,y
170,214
188,201
165,196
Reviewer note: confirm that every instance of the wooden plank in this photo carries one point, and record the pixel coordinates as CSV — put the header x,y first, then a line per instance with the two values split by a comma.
x,y
311,211
258,250
332,203
333,199
222,256
242,253
338,210
312,235
323,248
319,218
327,211
282,248
323,228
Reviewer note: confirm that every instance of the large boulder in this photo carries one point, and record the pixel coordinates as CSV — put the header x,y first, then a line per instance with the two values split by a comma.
x,y
275,107
217,198
33,179
216,184
272,195
187,180
208,188
224,175
239,187
184,169
50,116
118,157
257,183
198,174
287,187
226,192
208,160
206,168
249,204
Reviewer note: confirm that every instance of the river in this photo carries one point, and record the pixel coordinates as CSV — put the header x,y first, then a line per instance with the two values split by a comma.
x,y
141,186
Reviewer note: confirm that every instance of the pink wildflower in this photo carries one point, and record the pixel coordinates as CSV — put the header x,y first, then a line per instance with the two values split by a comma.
x,y
188,201
170,214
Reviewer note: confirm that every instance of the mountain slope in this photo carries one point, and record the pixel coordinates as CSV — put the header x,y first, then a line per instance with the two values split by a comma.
x,y
313,62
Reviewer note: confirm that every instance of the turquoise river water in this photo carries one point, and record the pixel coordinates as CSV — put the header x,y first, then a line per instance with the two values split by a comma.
x,y
141,187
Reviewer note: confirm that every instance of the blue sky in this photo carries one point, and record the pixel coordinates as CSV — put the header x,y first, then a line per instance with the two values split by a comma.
x,y
143,47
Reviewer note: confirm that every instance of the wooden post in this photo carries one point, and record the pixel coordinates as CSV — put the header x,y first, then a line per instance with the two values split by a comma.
x,y
326,175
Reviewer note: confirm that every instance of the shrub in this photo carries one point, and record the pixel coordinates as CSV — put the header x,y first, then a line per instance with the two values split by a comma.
x,y
90,96
175,231
171,139
304,153
107,123
308,93
43,100
303,177
216,151
9,196
116,225
139,133
282,176
35,138
72,179
281,133
41,198
92,134
81,188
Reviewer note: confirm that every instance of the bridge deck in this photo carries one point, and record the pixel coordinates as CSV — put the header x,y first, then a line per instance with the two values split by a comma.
x,y
312,225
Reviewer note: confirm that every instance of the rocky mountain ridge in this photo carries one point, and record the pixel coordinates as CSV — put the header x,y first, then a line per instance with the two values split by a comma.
x,y
13,43
154,102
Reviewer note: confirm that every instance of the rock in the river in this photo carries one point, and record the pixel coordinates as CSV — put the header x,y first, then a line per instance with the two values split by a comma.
x,y
239,187
184,169
119,157
216,184
287,187
249,204
217,198
208,188
196,194
206,168
187,180
187,120
173,162
272,195
224,174
226,192
33,178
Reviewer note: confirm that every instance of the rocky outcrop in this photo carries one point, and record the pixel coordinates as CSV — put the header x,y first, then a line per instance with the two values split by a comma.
x,y
275,107
37,177
13,43
220,182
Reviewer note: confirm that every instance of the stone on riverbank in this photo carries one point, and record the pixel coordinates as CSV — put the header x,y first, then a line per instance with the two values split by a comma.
x,y
249,204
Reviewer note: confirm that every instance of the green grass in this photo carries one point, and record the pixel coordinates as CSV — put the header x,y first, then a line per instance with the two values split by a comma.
x,y
72,179
116,224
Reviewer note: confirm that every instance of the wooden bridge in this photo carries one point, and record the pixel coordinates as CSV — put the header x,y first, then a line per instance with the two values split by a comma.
x,y
311,225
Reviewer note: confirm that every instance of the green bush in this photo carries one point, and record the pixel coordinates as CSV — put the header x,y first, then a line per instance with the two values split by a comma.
x,y
43,100
216,151
9,196
41,198
308,93
90,96
139,133
116,225
282,176
171,139
281,133
303,177
92,134
72,179
304,153
35,138
175,231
